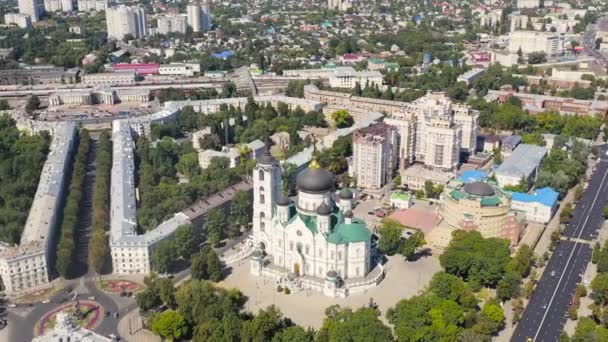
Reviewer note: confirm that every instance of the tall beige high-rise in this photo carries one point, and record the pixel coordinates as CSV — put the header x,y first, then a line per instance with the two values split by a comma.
x,y
434,131
33,8
194,13
374,155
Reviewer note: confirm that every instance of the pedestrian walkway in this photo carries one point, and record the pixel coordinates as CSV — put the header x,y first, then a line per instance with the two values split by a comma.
x,y
131,329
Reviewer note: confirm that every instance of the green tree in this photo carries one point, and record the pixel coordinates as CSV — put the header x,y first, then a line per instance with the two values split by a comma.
x,y
412,243
214,265
342,118
343,324
216,223
198,266
169,325
390,241
472,257
491,319
33,104
599,286
185,241
164,256
509,286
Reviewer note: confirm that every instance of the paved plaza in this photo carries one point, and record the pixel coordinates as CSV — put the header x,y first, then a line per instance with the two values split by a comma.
x,y
307,308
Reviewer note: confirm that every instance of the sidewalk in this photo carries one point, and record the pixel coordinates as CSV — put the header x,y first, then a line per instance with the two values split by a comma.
x,y
130,329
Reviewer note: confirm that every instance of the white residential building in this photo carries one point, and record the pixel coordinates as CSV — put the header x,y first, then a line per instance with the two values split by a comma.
x,y
194,14
172,23
528,3
18,19
58,5
348,77
33,8
550,43
374,155
92,5
124,20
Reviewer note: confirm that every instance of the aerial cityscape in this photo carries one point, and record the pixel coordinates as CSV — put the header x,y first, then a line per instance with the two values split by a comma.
x,y
314,171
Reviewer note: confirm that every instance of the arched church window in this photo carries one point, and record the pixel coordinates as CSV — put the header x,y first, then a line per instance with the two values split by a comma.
x,y
263,226
262,199
299,247
307,250
261,175
339,255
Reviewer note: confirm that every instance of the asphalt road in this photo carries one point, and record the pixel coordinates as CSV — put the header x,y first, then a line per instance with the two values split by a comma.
x,y
545,315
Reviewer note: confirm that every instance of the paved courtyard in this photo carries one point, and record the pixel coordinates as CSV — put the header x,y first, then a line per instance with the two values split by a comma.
x,y
307,308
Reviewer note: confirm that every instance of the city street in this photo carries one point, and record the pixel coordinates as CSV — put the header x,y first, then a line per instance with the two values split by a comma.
x,y
545,314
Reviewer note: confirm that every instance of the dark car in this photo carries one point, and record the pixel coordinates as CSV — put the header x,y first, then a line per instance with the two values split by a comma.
x,y
108,313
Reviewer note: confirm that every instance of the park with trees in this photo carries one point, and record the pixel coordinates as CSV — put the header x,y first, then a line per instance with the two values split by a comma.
x,y
72,208
98,245
21,159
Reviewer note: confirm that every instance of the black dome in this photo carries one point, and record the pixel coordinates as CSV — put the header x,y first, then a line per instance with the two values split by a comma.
x,y
345,194
283,200
332,274
266,158
348,214
324,209
479,189
315,180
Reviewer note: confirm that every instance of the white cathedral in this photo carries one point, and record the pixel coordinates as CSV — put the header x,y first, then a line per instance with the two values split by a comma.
x,y
313,243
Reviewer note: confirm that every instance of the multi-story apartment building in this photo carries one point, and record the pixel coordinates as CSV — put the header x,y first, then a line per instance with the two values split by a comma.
x,y
26,267
199,15
528,3
33,8
194,14
527,42
126,20
92,5
348,77
374,155
172,23
58,5
131,252
434,131
18,19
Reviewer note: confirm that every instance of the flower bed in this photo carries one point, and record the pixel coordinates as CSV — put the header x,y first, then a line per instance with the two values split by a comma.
x,y
118,286
93,316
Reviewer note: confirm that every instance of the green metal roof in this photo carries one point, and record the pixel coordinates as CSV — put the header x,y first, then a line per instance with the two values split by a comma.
x,y
456,194
490,201
404,196
309,221
345,233
356,231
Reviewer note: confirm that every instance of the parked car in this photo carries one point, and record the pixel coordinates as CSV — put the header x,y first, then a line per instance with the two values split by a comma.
x,y
46,301
91,297
116,315
12,305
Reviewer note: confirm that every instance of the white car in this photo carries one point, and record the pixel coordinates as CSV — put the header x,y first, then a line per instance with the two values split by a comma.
x,y
46,301
12,305
91,297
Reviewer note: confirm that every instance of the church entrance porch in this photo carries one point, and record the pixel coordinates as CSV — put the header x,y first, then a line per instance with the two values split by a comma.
x,y
296,268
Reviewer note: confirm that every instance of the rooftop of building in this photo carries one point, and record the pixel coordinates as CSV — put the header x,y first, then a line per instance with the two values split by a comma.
x,y
545,196
473,176
522,161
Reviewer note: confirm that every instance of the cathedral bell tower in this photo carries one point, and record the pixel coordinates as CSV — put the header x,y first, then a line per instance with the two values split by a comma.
x,y
266,190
